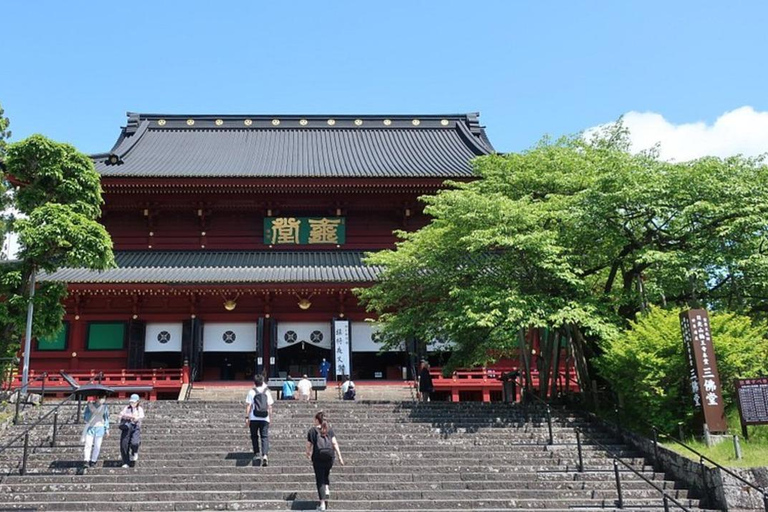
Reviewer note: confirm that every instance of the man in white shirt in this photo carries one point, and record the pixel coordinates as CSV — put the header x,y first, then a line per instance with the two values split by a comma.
x,y
305,388
346,385
258,410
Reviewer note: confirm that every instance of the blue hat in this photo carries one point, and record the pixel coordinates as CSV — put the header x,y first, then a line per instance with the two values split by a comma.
x,y
134,398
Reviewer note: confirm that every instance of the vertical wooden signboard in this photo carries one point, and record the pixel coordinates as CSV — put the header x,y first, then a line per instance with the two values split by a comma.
x,y
341,347
705,380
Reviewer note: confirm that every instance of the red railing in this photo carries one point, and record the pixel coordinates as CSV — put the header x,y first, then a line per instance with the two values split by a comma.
x,y
485,381
168,380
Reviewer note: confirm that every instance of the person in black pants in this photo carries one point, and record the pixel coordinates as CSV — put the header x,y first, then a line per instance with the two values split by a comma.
x,y
130,427
425,382
322,449
258,410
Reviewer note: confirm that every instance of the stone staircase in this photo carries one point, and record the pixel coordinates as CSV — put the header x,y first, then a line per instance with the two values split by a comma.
x,y
399,456
392,392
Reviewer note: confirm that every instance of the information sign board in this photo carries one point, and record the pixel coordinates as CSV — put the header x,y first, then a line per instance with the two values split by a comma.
x,y
752,395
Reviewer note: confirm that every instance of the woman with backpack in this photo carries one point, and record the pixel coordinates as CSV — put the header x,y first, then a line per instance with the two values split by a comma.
x,y
322,448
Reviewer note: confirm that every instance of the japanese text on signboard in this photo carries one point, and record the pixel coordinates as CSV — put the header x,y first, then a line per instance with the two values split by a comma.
x,y
304,230
704,378
341,347
753,400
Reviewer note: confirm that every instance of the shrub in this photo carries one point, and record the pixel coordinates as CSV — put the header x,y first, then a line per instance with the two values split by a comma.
x,y
646,364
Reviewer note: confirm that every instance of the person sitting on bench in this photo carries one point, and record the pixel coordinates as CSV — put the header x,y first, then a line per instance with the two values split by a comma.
x,y
289,387
305,388
349,394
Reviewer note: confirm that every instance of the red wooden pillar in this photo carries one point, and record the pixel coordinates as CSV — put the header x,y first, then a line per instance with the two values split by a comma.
x,y
77,342
454,390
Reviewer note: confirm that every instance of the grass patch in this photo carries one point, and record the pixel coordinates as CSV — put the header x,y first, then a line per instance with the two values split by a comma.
x,y
755,450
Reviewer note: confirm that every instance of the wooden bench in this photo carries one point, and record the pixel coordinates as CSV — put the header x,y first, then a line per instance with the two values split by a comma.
x,y
276,384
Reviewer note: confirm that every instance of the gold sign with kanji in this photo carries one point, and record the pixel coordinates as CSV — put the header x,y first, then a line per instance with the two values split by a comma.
x,y
304,230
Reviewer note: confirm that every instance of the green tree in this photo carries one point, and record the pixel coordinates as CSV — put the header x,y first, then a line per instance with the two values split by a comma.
x,y
647,364
58,194
5,133
576,235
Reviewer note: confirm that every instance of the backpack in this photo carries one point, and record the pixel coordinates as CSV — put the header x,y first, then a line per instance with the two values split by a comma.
x,y
260,408
324,447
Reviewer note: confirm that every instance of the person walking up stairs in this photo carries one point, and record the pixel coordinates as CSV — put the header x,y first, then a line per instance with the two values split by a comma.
x,y
322,449
258,411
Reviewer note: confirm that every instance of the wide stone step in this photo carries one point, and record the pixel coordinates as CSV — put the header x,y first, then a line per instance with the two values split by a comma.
x,y
228,438
400,456
218,495
305,482
415,465
234,435
352,475
282,443
646,505
243,449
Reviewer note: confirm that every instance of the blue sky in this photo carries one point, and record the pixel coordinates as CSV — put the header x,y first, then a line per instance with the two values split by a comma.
x,y
71,70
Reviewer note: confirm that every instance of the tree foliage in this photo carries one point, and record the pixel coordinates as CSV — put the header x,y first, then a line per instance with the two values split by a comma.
x,y
647,364
579,234
57,190
5,133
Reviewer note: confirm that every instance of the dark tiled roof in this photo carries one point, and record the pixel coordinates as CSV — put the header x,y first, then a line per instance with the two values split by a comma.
x,y
154,145
226,267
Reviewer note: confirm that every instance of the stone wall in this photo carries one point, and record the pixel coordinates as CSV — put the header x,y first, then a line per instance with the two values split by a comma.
x,y
715,487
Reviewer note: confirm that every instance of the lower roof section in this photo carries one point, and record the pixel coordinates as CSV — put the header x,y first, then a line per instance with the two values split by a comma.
x,y
248,267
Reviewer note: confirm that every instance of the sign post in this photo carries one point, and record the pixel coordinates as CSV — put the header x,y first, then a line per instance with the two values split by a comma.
x,y
341,347
752,397
705,380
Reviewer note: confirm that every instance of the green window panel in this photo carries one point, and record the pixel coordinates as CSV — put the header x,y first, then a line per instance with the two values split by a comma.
x,y
106,336
56,342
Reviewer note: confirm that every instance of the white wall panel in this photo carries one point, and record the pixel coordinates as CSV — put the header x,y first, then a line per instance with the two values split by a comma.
x,y
229,337
163,337
314,333
365,338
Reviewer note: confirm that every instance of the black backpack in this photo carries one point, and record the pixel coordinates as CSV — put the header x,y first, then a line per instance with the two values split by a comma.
x,y
260,408
324,447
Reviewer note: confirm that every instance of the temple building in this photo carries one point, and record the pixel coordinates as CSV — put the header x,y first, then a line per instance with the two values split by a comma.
x,y
239,239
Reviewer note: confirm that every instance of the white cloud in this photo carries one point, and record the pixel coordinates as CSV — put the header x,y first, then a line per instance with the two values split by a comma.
x,y
741,131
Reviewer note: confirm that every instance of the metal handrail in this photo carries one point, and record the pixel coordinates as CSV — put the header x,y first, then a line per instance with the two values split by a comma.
x,y
526,393
25,433
618,460
702,458
657,432
42,376
192,377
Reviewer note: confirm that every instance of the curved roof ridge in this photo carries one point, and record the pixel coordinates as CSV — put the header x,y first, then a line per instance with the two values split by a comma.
x,y
293,146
